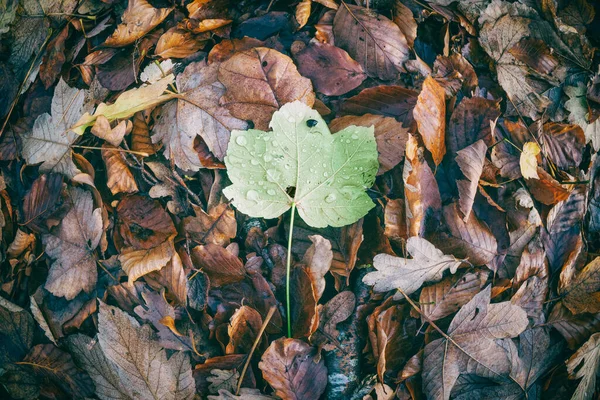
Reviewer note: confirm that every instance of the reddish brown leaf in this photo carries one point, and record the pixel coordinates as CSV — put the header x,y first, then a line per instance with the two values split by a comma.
x,y
143,223
430,114
138,19
217,226
220,265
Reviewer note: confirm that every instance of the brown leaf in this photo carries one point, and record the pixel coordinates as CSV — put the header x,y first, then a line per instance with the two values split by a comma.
x,y
219,264
72,247
395,221
229,362
430,114
332,71
258,82
179,43
224,50
138,19
169,186
372,39
470,160
205,25
390,101
303,311
217,226
581,294
137,263
242,330
140,135
563,143
288,366
390,135
54,58
448,296
48,361
546,189
421,192
43,200
143,223
403,17
536,54
575,328
120,178
456,67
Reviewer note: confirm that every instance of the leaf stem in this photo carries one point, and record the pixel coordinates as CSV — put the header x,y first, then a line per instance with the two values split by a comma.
x,y
287,272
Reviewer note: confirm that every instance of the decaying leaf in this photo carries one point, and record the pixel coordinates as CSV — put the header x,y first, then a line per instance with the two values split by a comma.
x,y
372,39
139,19
471,346
428,264
329,188
584,364
288,365
72,246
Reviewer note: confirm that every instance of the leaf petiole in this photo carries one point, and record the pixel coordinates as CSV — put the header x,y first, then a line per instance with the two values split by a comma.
x,y
287,272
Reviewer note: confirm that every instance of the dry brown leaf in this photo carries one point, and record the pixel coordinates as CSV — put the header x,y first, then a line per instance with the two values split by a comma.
x,y
470,122
43,200
258,82
139,214
395,220
332,71
336,310
171,277
140,135
288,366
390,135
138,19
581,294
403,17
137,263
430,114
390,101
546,189
372,39
217,226
120,178
227,48
205,25
179,43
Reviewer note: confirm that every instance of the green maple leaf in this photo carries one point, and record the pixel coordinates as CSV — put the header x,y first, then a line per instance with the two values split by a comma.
x,y
300,162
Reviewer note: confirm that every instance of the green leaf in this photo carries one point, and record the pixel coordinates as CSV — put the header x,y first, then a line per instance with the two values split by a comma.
x,y
328,172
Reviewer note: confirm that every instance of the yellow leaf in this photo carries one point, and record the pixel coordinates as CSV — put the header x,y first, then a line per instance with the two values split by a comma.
x,y
302,13
129,103
528,161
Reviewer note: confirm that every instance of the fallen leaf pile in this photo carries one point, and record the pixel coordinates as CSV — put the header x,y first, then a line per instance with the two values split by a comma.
x,y
440,157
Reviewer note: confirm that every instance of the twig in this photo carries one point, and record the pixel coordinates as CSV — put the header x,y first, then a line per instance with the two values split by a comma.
x,y
256,341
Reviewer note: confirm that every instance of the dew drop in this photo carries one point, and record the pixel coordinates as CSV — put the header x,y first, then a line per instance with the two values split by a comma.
x,y
325,174
252,195
291,119
240,140
287,166
355,136
271,192
330,198
254,161
261,183
268,158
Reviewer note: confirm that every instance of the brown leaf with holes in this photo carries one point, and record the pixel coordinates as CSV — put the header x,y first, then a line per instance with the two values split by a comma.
x,y
139,18
258,82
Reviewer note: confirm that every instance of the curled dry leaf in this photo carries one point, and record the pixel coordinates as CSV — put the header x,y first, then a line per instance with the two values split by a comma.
x,y
243,330
179,43
259,81
217,226
114,135
430,114
422,195
137,263
332,71
471,161
390,136
72,247
546,189
408,274
139,19
584,364
372,39
288,365
403,17
303,12
42,201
